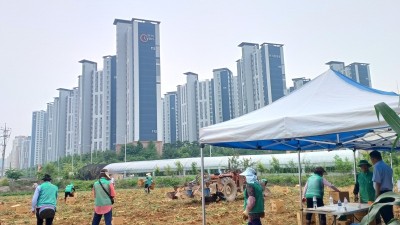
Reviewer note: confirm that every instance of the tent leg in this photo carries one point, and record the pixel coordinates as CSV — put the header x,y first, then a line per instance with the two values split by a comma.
x,y
391,166
203,200
354,166
301,194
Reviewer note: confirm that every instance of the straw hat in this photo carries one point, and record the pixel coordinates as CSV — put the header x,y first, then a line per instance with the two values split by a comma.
x,y
104,173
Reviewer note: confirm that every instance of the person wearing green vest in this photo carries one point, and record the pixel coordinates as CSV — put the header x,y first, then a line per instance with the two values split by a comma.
x,y
364,191
69,191
147,183
44,201
253,198
104,193
364,187
315,188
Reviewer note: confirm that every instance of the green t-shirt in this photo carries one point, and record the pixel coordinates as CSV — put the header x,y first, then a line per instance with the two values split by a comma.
x,y
366,187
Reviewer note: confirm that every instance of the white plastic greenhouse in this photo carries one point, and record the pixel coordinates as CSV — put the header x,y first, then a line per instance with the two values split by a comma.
x,y
323,158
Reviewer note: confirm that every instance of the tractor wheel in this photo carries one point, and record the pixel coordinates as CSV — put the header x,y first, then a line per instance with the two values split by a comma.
x,y
230,190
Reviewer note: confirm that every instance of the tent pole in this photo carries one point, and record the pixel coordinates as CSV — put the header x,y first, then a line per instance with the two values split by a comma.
x,y
203,200
354,165
301,194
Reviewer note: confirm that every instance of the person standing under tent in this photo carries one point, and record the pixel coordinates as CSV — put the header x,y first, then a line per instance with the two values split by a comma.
x,y
104,194
44,201
364,189
253,198
315,187
148,182
69,191
382,178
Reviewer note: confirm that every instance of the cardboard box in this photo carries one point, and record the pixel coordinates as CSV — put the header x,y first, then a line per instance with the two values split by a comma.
x,y
339,195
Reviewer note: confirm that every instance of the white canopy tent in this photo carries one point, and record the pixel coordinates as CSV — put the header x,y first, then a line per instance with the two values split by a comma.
x,y
330,112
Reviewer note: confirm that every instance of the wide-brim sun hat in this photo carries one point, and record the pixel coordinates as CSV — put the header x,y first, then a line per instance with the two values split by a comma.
x,y
248,172
148,174
364,162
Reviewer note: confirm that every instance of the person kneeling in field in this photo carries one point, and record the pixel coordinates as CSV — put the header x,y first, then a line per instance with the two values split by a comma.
x,y
44,201
69,191
104,194
253,198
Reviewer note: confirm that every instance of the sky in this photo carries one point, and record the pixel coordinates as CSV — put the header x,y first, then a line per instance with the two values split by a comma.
x,y
42,41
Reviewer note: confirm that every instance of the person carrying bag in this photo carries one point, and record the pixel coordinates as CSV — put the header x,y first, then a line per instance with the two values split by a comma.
x,y
104,193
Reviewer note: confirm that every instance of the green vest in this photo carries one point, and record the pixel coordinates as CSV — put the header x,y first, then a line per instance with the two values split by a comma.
x,y
366,187
259,206
149,180
69,188
48,194
315,186
102,198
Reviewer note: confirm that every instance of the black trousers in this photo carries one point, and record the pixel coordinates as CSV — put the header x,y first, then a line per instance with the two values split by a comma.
x,y
320,202
386,211
39,221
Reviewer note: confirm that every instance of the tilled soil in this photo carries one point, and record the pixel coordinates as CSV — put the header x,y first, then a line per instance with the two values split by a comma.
x,y
135,207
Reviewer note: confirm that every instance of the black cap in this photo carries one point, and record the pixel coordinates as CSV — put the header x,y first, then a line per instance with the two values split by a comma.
x,y
46,177
319,170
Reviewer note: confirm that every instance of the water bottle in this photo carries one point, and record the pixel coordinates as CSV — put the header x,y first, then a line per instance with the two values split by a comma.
x,y
339,206
314,200
330,200
345,202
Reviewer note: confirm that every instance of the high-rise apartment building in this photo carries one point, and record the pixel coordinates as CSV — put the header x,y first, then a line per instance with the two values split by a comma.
x,y
261,75
245,73
298,83
237,109
223,95
72,132
359,72
98,115
51,132
170,108
19,157
38,138
109,102
139,106
187,115
89,68
205,103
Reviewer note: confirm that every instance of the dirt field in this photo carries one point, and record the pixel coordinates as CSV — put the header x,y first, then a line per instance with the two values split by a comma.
x,y
136,207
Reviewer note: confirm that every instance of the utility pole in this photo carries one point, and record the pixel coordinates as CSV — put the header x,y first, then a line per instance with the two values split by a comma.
x,y
5,134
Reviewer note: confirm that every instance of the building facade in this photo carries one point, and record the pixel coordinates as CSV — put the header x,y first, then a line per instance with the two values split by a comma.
x,y
72,128
89,68
223,95
170,107
359,72
205,103
187,115
109,102
139,106
38,138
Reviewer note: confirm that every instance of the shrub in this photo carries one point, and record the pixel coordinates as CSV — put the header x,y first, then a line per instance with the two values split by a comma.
x,y
4,182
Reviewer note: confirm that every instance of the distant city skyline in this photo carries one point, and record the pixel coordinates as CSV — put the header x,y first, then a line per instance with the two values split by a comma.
x,y
40,56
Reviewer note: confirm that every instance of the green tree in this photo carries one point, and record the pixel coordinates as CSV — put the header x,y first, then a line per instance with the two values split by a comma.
x,y
13,174
342,166
168,170
261,168
292,167
275,166
157,171
194,168
247,162
233,163
179,167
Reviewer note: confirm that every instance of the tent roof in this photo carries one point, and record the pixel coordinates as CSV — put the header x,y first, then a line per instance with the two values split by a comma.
x,y
332,111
